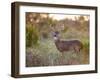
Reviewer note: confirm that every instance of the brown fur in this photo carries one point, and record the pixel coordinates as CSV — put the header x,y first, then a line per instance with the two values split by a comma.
x,y
63,46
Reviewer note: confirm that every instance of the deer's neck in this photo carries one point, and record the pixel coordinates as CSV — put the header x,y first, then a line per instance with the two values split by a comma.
x,y
57,43
56,39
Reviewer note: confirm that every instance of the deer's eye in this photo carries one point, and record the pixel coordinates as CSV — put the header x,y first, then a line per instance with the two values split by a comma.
x,y
55,35
56,32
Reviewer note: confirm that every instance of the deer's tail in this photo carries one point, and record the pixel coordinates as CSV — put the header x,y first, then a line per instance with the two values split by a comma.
x,y
81,46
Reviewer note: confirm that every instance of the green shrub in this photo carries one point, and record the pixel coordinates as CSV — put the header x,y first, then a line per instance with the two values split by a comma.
x,y
31,35
85,43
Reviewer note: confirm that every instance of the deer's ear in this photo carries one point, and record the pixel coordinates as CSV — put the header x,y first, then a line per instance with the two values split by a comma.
x,y
53,33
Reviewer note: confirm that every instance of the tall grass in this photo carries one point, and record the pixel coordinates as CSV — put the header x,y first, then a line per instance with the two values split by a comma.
x,y
46,54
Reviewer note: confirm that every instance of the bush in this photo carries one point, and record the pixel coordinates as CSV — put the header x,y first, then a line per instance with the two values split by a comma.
x,y
31,35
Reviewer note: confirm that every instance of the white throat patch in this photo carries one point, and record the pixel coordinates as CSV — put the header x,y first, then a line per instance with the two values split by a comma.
x,y
55,38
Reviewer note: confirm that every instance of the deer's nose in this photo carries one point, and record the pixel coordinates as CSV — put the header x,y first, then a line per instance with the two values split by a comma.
x,y
55,35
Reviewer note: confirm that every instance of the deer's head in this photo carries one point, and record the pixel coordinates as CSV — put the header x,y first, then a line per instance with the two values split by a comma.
x,y
56,31
56,35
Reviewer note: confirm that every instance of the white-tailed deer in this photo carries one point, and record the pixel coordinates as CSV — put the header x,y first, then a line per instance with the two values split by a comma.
x,y
64,45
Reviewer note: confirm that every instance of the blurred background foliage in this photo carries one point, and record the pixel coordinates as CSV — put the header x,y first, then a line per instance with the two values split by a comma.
x,y
32,35
40,46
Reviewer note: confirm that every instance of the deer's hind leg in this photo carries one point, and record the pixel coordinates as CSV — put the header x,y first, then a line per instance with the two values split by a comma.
x,y
77,49
79,53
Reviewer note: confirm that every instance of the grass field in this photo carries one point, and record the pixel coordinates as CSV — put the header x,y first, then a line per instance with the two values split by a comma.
x,y
46,54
